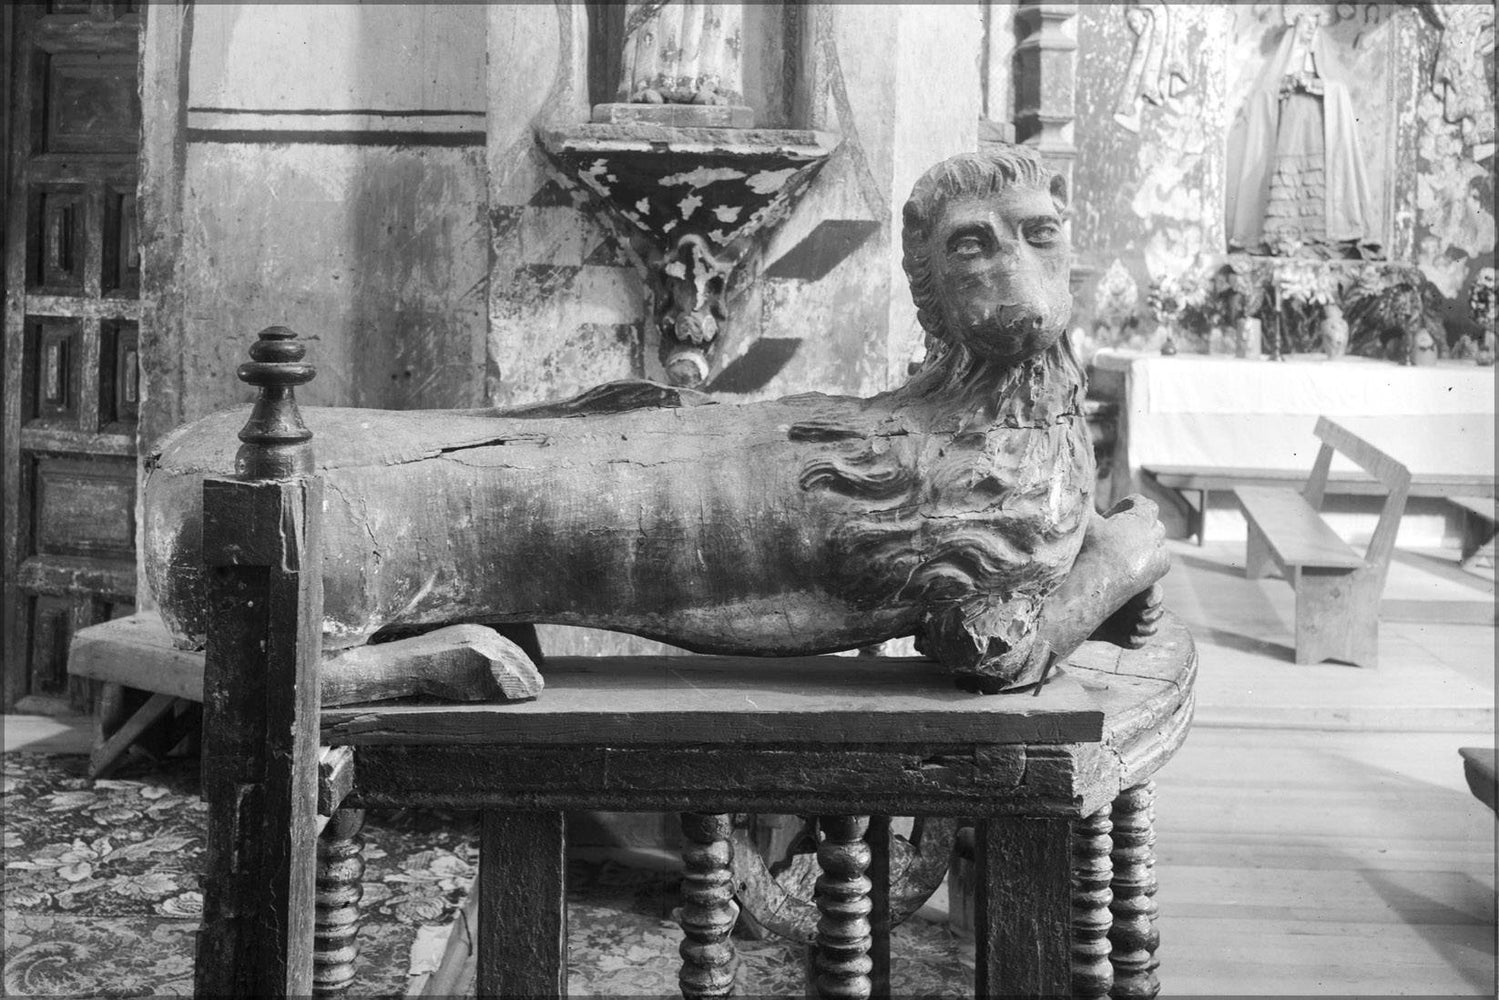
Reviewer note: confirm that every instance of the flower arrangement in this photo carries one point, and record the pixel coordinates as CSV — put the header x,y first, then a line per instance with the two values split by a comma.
x,y
1302,292
1386,303
1183,305
1482,301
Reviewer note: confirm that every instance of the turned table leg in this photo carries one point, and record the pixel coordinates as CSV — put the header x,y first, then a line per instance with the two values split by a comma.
x,y
842,894
708,908
1092,873
340,866
1134,936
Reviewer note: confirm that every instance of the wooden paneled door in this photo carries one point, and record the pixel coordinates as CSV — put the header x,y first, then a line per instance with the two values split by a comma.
x,y
71,389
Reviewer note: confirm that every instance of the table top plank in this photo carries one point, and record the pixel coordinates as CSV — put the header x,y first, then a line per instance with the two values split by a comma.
x,y
676,700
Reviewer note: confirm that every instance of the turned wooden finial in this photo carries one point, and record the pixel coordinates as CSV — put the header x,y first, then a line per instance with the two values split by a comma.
x,y
276,442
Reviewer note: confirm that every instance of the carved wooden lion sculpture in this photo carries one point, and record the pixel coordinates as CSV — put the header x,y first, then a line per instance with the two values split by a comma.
x,y
957,507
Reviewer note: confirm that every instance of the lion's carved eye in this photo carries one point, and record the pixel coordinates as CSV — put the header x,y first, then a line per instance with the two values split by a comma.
x,y
966,246
1042,233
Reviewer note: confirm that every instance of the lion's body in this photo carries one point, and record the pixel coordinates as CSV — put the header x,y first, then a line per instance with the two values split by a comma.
x,y
801,525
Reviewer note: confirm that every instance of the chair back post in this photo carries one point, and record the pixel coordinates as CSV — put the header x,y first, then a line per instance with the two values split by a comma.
x,y
262,551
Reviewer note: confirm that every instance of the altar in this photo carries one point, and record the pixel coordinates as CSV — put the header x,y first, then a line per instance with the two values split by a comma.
x,y
1221,413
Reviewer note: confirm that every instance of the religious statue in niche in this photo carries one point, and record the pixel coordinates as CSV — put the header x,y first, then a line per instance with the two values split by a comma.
x,y
682,52
1158,67
1302,188
957,508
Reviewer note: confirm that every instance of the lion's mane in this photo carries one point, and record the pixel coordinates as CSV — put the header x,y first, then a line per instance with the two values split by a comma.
x,y
946,497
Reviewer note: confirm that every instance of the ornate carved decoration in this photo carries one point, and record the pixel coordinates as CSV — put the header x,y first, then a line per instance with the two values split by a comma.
x,y
1158,66
690,203
276,442
956,508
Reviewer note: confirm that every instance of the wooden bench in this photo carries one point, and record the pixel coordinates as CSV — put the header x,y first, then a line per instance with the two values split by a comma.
x,y
1202,482
1337,589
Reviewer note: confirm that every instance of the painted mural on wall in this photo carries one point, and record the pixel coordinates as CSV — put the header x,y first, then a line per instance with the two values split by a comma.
x,y
1162,156
1149,188
1455,164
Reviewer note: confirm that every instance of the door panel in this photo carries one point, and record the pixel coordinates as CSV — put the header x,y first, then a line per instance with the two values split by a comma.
x,y
71,368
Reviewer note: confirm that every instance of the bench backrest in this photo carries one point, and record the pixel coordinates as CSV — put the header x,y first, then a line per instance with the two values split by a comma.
x,y
1391,473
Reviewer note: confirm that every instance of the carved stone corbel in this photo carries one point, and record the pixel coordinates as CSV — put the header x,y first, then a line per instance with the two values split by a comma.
x,y
688,204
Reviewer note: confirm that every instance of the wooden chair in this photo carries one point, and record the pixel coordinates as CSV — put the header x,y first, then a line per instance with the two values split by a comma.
x,y
1058,783
1337,589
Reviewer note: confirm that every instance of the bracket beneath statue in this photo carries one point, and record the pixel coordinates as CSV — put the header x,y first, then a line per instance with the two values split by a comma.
x,y
689,204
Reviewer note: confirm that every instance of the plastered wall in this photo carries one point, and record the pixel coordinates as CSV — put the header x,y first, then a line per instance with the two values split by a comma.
x,y
333,181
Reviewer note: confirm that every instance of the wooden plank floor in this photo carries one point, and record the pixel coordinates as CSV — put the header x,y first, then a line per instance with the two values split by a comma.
x,y
1316,863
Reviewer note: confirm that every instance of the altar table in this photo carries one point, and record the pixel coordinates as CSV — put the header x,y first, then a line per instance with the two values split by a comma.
x,y
1211,412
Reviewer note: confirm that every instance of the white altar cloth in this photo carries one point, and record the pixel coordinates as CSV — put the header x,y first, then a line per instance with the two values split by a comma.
x,y
1204,411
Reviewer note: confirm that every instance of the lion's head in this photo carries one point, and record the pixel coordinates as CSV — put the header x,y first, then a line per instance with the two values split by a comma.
x,y
988,256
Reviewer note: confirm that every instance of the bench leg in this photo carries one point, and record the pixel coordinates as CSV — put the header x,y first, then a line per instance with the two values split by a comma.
x,y
709,912
1023,915
335,939
1092,874
1257,561
1337,618
844,935
522,884
1134,936
107,755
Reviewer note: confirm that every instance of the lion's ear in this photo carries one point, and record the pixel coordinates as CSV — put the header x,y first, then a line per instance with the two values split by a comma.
x,y
1059,191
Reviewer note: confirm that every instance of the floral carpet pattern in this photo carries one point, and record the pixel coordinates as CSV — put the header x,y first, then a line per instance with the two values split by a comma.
x,y
101,898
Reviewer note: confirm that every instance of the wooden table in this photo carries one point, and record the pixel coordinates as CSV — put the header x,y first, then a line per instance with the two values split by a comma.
x,y
1213,419
1062,907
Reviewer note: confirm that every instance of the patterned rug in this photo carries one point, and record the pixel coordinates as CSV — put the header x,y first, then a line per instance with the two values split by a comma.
x,y
101,898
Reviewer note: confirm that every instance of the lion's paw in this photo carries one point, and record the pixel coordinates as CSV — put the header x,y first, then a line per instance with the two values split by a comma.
x,y
1133,625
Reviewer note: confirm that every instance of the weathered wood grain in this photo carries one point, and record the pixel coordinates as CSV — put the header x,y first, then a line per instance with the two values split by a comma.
x,y
819,700
709,912
456,663
1023,918
522,888
739,779
260,740
335,778
881,840
262,545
